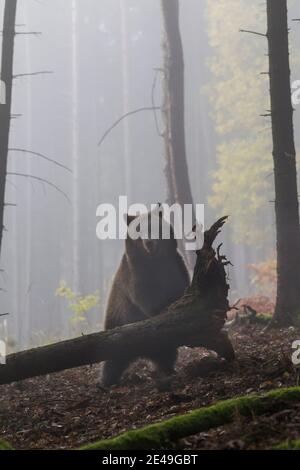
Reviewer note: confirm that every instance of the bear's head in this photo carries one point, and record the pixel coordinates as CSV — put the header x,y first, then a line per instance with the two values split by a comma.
x,y
150,234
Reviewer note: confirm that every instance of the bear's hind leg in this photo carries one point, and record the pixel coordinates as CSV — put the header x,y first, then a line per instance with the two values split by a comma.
x,y
112,372
165,361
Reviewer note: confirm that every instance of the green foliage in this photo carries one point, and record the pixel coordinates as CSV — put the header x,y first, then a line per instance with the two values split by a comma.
x,y
164,434
264,318
242,189
5,446
239,93
78,304
288,445
243,182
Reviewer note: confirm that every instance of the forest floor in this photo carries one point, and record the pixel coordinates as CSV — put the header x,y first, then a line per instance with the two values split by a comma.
x,y
67,409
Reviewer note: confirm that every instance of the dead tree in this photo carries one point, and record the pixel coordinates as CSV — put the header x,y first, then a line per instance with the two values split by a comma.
x,y
179,189
196,319
8,41
285,173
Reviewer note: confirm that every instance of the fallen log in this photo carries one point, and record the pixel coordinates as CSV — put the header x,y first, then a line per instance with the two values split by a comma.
x,y
165,434
196,319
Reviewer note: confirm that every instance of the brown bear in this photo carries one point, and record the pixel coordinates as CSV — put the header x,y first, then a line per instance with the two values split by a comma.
x,y
151,276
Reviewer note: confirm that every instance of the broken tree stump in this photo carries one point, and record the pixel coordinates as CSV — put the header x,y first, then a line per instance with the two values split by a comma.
x,y
194,320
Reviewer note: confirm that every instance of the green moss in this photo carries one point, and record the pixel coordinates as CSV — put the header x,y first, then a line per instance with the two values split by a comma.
x,y
5,446
264,318
288,445
162,435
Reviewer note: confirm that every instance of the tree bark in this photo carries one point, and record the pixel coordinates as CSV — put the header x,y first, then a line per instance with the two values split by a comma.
x,y
179,189
8,41
285,172
196,319
174,70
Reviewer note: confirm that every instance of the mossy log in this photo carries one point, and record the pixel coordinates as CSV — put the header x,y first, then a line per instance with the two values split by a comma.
x,y
5,446
288,445
165,434
196,319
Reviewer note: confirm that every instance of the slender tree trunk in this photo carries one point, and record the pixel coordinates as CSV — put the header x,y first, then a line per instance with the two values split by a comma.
x,y
75,150
284,155
179,189
8,40
169,169
27,322
14,320
174,72
126,91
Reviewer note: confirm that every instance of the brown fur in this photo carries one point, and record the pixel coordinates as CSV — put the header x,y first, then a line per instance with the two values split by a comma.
x,y
144,285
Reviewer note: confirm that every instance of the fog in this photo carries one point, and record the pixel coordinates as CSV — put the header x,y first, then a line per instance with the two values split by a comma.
x,y
99,61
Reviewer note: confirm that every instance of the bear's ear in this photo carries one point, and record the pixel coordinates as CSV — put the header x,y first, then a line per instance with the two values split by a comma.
x,y
129,219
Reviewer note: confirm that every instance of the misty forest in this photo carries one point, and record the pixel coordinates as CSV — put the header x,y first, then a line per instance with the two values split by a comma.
x,y
121,343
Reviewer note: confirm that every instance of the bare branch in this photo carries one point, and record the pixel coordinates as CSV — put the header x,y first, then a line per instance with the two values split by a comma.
x,y
41,156
136,111
42,180
15,116
252,32
43,72
14,33
31,33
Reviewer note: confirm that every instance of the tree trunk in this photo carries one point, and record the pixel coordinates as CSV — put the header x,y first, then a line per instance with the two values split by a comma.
x,y
75,153
174,111
8,40
125,101
284,155
27,320
196,319
175,85
166,118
